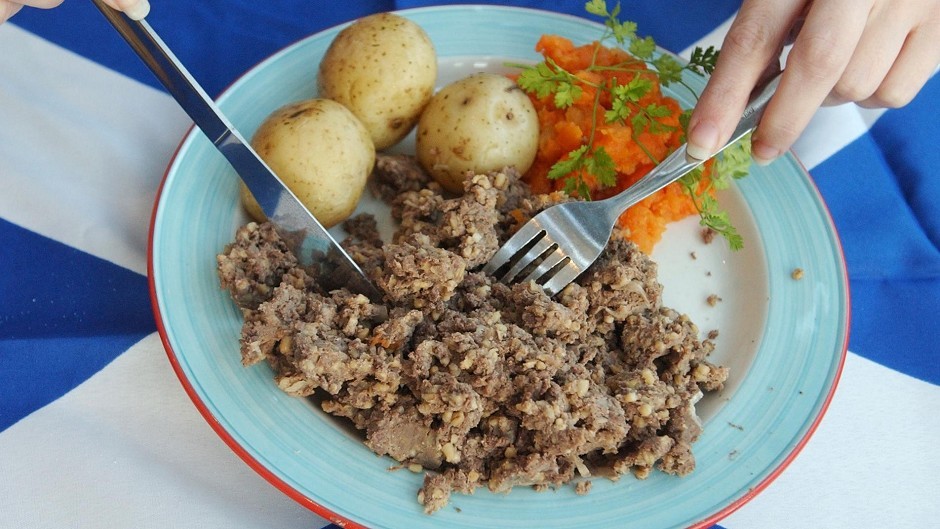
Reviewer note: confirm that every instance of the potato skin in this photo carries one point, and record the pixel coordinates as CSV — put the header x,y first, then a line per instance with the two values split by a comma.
x,y
483,122
321,151
383,68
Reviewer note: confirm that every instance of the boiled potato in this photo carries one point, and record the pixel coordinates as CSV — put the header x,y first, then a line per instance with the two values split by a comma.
x,y
480,123
321,151
383,68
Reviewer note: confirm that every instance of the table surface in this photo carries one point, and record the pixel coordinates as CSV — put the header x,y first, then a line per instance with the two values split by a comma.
x,y
95,429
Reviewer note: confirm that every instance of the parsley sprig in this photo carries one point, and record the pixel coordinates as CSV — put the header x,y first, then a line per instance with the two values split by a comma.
x,y
731,165
626,91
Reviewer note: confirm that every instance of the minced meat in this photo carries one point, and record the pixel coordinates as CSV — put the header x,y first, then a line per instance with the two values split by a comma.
x,y
478,382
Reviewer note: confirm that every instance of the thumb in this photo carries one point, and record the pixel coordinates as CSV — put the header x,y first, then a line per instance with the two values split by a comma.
x,y
134,9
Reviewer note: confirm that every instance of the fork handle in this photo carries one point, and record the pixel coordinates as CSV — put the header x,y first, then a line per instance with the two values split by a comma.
x,y
679,163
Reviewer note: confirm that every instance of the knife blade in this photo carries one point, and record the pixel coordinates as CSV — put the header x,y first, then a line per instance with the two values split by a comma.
x,y
309,240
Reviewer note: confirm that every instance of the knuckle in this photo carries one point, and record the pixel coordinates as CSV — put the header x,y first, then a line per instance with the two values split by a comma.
x,y
749,34
850,89
893,95
816,58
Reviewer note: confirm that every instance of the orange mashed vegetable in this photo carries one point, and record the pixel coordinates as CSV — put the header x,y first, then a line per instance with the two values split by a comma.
x,y
564,130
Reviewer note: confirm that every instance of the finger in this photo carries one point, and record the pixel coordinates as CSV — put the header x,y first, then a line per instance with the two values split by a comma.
x,y
752,42
879,47
134,9
8,9
42,4
917,62
819,56
797,24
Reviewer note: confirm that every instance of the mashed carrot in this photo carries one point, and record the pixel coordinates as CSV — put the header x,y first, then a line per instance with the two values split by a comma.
x,y
567,129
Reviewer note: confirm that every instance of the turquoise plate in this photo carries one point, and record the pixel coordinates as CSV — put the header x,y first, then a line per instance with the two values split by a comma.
x,y
783,339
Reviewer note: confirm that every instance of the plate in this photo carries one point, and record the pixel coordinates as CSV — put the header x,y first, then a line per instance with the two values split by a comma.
x,y
784,339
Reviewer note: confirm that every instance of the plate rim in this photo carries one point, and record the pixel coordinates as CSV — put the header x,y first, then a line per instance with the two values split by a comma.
x,y
229,439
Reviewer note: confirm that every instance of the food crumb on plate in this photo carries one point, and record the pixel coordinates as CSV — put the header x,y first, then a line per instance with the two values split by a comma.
x,y
582,488
708,235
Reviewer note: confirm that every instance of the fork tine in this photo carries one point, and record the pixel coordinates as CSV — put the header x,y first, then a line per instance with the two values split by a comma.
x,y
530,256
560,280
551,261
518,241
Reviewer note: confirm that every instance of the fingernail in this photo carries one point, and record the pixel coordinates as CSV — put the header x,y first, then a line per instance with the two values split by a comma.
x,y
762,154
138,10
703,140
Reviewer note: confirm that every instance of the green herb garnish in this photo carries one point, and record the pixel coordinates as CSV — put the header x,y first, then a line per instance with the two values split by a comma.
x,y
626,91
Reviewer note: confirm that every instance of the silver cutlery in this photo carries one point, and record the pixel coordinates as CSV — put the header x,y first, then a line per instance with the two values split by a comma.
x,y
311,243
561,242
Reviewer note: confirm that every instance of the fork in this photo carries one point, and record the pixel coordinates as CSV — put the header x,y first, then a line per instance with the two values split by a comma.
x,y
561,242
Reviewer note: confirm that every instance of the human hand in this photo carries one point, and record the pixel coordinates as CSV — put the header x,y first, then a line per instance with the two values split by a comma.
x,y
135,9
876,53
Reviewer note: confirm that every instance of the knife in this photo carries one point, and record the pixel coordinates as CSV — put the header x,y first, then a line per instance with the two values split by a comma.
x,y
310,242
